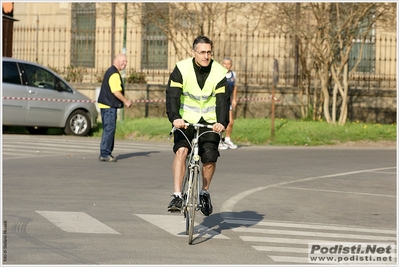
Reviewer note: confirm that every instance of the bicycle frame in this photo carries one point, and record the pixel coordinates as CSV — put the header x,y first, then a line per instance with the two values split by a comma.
x,y
193,162
191,181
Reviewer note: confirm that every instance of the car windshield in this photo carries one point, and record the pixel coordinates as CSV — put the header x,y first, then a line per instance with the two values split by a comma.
x,y
63,86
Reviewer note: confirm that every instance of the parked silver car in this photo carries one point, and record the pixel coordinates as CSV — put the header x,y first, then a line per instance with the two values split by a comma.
x,y
38,98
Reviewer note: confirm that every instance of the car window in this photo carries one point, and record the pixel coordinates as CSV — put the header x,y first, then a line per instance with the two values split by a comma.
x,y
39,77
11,73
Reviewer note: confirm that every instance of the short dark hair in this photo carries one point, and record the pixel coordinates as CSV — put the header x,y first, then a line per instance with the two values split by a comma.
x,y
202,40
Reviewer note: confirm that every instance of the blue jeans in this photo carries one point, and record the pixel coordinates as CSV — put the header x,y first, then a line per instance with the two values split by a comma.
x,y
108,117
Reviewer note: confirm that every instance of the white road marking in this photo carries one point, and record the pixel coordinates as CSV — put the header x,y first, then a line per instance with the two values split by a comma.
x,y
267,239
285,243
294,243
310,226
26,146
313,234
301,250
336,191
76,222
228,205
176,225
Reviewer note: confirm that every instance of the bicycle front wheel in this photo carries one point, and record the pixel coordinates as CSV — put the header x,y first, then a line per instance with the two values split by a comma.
x,y
192,203
185,193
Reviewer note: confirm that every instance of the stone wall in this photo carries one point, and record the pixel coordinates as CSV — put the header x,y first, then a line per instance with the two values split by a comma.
x,y
376,106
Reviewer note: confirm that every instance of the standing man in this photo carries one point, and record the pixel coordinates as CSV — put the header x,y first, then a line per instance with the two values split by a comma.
x,y
110,99
197,92
231,80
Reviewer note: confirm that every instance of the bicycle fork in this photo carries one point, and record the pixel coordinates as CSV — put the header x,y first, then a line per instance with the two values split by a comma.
x,y
192,169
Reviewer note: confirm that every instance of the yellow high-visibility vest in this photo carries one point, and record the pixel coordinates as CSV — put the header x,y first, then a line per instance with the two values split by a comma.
x,y
197,103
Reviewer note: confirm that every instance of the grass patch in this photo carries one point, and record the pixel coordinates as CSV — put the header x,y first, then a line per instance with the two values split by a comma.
x,y
258,131
254,131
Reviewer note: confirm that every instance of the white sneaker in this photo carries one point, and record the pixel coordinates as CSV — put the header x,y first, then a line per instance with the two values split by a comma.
x,y
223,146
230,144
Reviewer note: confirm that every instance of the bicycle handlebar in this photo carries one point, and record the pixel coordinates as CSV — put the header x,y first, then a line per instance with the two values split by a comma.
x,y
192,124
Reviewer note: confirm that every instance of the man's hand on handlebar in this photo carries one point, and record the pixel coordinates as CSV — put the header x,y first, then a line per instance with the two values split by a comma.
x,y
179,123
218,127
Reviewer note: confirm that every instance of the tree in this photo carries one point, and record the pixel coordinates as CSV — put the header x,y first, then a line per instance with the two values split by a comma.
x,y
183,21
326,33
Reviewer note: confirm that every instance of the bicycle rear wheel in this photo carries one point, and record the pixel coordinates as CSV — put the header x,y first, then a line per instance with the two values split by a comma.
x,y
192,203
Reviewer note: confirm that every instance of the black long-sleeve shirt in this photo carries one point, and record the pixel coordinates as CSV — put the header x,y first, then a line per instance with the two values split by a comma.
x,y
173,94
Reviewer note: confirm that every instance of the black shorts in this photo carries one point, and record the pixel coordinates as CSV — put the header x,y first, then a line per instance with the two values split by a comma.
x,y
208,143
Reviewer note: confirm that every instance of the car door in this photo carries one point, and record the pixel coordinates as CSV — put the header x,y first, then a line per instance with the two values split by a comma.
x,y
46,105
15,95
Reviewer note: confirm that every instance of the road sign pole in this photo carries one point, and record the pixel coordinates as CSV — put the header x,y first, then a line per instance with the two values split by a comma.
x,y
124,52
275,81
272,126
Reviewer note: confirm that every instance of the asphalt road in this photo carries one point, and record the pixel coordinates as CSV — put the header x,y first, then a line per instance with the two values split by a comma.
x,y
62,206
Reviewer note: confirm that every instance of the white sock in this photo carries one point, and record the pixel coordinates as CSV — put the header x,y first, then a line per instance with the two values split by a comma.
x,y
203,191
177,194
227,139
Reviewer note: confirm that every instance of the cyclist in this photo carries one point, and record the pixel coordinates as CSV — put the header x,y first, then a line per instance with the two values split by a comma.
x,y
197,92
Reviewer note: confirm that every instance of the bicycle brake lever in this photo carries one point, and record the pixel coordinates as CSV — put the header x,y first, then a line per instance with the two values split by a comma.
x,y
171,132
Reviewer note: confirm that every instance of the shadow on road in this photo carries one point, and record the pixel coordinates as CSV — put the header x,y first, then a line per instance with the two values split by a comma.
x,y
217,222
137,154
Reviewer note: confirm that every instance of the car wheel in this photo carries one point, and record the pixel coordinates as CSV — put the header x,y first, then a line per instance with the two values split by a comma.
x,y
78,123
37,130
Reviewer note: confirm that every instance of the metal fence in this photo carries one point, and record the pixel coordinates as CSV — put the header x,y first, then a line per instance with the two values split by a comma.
x,y
253,56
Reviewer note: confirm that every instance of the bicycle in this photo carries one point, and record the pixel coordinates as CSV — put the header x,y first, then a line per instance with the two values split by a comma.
x,y
191,181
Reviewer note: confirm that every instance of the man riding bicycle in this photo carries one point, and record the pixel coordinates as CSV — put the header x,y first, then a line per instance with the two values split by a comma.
x,y
197,92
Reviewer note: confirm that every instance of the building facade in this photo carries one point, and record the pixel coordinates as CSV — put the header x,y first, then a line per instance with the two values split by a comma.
x,y
80,39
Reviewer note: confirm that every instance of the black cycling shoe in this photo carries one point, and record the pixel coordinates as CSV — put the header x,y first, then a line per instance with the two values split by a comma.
x,y
175,204
206,205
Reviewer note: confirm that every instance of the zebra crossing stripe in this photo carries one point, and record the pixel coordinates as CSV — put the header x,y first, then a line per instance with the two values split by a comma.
x,y
285,239
301,250
310,226
77,222
313,234
15,147
298,250
267,239
176,225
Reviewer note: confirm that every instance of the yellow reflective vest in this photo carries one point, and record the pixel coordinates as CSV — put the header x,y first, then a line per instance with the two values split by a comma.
x,y
197,103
